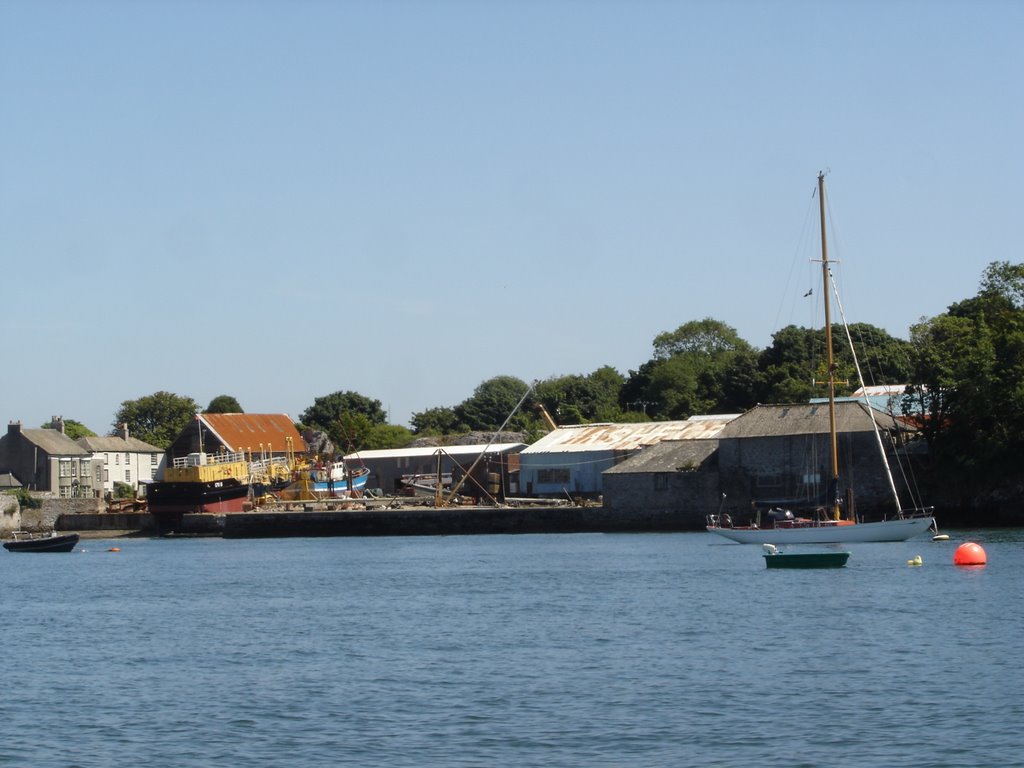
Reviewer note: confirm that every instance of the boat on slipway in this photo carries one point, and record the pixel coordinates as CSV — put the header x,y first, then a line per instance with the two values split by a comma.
x,y
212,483
824,522
331,480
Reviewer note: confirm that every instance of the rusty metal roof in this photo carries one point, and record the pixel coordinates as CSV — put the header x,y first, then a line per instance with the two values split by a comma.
x,y
580,438
247,431
419,452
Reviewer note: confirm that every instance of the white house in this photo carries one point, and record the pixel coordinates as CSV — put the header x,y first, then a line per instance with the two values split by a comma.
x,y
121,459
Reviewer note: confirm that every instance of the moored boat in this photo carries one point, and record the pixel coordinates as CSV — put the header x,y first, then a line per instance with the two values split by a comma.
x,y
826,522
774,558
54,542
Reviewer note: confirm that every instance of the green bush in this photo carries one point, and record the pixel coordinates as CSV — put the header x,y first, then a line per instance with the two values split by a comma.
x,y
25,499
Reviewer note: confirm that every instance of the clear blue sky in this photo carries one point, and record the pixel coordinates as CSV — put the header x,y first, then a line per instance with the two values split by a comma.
x,y
279,200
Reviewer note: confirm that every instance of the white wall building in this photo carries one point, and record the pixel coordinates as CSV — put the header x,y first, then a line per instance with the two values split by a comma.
x,y
122,459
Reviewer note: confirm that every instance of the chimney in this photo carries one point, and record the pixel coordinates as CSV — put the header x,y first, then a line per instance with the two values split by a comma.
x,y
57,422
122,431
13,427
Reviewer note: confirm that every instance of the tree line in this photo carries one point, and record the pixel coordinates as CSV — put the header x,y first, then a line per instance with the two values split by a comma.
x,y
963,371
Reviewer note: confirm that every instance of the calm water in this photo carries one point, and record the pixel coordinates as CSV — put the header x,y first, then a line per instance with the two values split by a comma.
x,y
569,650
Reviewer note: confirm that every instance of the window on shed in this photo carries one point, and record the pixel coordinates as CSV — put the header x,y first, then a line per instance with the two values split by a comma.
x,y
660,482
556,475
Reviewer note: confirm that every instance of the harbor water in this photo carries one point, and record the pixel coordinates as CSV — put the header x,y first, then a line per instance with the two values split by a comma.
x,y
533,650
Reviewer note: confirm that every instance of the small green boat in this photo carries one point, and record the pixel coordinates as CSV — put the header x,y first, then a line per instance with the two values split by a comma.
x,y
773,558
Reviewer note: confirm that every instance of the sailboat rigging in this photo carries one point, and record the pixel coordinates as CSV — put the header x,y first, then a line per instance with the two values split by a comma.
x,y
828,525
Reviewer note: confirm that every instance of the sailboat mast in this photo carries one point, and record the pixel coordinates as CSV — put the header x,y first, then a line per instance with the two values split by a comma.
x,y
829,358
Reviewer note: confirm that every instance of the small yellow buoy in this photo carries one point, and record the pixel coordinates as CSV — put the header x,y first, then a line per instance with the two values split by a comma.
x,y
916,561
114,549
969,553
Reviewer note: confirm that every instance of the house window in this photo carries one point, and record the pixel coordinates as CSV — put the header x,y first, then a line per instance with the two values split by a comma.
x,y
99,474
661,482
152,474
117,458
65,491
127,458
65,467
153,459
106,474
128,476
74,468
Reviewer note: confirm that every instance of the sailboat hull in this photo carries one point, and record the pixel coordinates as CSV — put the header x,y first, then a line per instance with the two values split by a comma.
x,y
884,530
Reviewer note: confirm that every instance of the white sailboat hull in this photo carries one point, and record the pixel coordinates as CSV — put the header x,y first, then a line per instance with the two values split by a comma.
x,y
885,530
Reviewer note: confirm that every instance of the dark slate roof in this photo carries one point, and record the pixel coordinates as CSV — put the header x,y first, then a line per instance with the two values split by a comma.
x,y
804,419
53,442
666,456
115,444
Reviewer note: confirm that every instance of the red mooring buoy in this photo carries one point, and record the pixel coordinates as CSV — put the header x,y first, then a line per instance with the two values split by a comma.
x,y
969,553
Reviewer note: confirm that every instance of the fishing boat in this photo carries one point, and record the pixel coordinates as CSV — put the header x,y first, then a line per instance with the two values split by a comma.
x,y
334,480
775,558
52,542
824,522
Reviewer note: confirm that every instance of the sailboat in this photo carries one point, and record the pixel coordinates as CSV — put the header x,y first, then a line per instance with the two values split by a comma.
x,y
827,525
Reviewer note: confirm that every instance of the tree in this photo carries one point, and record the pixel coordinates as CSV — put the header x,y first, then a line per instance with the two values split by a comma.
x,y
789,368
576,399
968,382
701,367
492,402
73,429
224,404
704,337
328,409
158,418
346,417
436,421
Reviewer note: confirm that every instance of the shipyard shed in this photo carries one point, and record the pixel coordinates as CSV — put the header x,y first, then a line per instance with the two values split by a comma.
x,y
669,485
570,460
259,435
388,467
782,452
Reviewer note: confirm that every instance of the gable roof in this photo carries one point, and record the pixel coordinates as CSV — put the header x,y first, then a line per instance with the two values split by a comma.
x,y
246,431
579,438
666,456
115,444
53,442
805,419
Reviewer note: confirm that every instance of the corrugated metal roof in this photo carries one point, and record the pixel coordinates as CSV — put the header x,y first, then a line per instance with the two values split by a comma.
x,y
246,431
451,450
804,419
627,437
666,456
54,442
